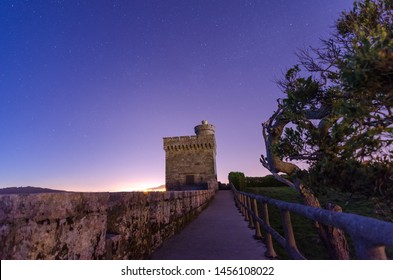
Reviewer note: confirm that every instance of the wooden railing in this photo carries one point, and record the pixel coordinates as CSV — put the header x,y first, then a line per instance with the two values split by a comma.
x,y
370,236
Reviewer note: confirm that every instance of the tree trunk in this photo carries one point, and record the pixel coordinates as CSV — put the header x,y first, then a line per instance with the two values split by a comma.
x,y
333,238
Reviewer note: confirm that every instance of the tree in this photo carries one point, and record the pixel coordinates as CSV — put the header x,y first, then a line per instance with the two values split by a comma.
x,y
338,118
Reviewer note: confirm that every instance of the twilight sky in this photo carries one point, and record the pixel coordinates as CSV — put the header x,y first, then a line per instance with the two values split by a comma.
x,y
88,89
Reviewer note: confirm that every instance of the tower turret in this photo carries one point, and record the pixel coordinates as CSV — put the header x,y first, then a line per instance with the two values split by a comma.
x,y
204,129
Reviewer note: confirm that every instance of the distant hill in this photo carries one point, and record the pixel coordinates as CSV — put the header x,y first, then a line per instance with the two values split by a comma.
x,y
27,190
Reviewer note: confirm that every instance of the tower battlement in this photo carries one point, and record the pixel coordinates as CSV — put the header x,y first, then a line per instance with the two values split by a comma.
x,y
187,143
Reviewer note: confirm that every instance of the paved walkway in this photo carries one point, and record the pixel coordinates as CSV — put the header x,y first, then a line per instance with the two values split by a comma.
x,y
218,233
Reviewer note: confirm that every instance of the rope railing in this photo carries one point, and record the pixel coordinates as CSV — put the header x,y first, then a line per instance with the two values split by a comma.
x,y
370,236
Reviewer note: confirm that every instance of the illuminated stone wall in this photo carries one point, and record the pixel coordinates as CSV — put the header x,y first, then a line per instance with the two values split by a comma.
x,y
190,161
129,225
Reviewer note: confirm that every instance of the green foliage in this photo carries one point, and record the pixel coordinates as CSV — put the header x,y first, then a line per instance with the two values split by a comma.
x,y
368,179
366,76
368,61
237,179
341,113
337,114
263,182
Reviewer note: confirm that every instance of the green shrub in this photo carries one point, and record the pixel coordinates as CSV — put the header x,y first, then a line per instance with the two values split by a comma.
x,y
263,182
238,180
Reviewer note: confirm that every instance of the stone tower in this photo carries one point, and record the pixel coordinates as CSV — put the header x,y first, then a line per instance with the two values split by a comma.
x,y
190,161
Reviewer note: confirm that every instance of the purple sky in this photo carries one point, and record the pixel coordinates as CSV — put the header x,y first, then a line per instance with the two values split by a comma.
x,y
88,89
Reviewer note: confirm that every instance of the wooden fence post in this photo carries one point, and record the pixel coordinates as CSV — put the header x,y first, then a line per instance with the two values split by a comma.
x,y
241,203
369,252
250,216
237,200
245,213
258,234
270,253
288,230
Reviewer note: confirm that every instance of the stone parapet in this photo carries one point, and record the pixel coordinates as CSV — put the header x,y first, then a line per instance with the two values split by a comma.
x,y
129,225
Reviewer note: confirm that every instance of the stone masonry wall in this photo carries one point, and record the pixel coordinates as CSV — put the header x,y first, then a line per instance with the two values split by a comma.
x,y
129,225
189,155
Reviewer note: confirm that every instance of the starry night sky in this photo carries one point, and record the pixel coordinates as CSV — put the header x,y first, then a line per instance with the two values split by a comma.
x,y
88,89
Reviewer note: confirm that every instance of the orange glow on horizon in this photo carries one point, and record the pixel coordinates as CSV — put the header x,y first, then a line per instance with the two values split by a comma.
x,y
141,186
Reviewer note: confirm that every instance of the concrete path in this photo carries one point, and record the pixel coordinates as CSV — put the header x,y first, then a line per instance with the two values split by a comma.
x,y
218,233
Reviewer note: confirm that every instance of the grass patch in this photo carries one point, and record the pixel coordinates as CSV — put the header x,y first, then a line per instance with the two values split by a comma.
x,y
307,239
